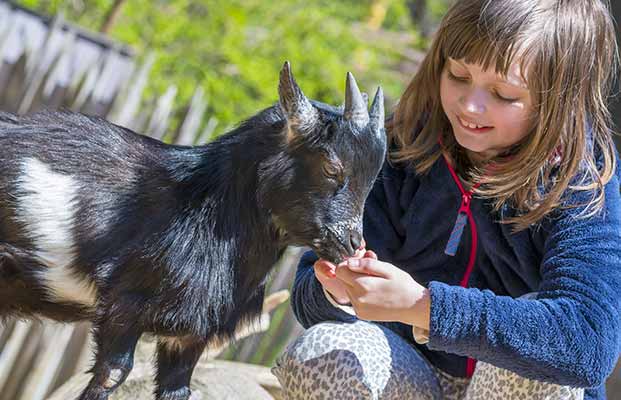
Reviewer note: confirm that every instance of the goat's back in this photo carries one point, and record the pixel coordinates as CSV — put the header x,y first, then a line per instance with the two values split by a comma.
x,y
75,185
92,150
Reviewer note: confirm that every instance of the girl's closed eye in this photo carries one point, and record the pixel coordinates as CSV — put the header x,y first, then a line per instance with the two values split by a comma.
x,y
507,99
459,78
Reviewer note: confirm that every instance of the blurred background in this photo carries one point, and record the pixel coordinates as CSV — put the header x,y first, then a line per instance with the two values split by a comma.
x,y
186,71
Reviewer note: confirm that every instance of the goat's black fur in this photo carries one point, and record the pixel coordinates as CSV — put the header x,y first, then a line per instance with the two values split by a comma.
x,y
175,241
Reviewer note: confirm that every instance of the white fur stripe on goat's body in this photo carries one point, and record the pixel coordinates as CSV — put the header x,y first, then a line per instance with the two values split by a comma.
x,y
47,203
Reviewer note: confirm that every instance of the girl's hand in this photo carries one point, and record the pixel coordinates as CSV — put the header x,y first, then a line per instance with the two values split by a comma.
x,y
379,291
325,272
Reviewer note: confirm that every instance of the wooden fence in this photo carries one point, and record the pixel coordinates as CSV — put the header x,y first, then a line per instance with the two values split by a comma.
x,y
50,63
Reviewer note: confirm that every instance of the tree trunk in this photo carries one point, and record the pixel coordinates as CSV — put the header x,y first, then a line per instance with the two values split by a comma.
x,y
111,16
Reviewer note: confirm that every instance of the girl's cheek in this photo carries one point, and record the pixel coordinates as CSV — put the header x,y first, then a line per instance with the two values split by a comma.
x,y
519,106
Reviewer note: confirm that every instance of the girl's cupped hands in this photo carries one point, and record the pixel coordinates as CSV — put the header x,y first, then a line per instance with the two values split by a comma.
x,y
380,291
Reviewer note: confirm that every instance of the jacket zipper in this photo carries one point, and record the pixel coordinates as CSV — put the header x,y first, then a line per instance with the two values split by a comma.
x,y
464,215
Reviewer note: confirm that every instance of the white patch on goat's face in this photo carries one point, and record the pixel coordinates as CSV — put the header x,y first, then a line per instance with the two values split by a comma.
x,y
47,206
341,228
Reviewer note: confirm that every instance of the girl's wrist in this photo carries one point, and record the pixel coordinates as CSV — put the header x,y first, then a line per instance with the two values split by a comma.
x,y
419,314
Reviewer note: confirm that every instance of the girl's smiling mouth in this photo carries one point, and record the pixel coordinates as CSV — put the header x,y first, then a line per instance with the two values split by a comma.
x,y
472,127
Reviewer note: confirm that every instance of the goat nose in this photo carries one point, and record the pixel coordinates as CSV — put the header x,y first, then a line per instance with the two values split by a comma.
x,y
356,240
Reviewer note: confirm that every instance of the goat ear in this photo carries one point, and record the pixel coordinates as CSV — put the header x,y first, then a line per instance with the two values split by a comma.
x,y
355,105
300,113
377,112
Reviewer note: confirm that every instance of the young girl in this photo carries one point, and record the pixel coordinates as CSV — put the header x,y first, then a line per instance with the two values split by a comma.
x,y
494,229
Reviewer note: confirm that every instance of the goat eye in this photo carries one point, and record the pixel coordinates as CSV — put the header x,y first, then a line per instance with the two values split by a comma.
x,y
331,171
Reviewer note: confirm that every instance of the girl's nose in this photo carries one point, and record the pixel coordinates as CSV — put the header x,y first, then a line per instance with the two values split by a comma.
x,y
474,101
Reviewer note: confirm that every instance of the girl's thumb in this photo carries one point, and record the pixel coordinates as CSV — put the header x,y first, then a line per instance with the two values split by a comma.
x,y
368,266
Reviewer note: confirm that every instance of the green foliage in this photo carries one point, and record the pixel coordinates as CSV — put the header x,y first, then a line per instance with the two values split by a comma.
x,y
235,49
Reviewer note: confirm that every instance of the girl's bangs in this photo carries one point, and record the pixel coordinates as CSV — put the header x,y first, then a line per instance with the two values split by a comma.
x,y
492,46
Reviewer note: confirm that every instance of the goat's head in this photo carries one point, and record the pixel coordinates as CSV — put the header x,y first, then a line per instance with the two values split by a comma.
x,y
333,155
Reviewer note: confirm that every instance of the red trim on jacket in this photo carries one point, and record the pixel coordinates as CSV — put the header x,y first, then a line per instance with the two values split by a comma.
x,y
466,200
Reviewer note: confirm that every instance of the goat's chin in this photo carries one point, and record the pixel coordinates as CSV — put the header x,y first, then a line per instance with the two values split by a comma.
x,y
330,250
333,255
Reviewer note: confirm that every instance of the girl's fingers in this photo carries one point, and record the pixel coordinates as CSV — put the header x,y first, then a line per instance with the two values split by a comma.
x,y
346,276
370,254
369,266
326,268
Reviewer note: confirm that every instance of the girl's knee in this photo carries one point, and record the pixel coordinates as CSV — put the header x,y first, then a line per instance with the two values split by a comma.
x,y
358,360
323,362
490,382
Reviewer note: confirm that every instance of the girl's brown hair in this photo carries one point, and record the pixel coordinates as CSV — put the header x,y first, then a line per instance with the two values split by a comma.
x,y
568,51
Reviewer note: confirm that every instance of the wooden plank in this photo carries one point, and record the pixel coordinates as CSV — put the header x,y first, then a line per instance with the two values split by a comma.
x,y
12,48
88,85
82,33
158,124
126,105
75,60
187,133
46,366
6,22
208,131
21,364
37,66
12,349
116,70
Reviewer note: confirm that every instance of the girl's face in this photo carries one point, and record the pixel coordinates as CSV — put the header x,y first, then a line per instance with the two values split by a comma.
x,y
488,112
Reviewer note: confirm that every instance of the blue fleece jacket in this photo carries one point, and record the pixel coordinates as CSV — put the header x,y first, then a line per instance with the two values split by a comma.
x,y
544,302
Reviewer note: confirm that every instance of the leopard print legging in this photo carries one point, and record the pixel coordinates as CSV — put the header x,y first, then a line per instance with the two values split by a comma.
x,y
363,360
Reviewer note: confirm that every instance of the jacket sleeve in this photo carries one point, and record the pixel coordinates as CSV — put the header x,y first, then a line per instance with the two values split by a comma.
x,y
568,334
382,232
308,299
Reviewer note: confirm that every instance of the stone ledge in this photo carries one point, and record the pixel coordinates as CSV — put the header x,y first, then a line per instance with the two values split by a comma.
x,y
214,380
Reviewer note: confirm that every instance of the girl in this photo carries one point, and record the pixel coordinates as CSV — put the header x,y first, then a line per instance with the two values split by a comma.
x,y
494,227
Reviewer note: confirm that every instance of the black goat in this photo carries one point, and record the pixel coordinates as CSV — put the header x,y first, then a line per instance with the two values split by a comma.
x,y
98,222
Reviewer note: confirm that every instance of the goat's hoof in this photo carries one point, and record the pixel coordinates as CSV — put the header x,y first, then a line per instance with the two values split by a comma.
x,y
115,377
178,394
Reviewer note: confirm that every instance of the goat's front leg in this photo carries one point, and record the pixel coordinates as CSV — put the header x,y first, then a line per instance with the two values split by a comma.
x,y
176,359
115,340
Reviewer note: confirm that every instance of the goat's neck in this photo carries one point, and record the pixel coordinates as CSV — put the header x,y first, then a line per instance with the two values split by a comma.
x,y
221,182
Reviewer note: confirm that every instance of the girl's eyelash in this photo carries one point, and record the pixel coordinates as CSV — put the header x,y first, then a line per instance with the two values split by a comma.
x,y
499,97
456,78
463,79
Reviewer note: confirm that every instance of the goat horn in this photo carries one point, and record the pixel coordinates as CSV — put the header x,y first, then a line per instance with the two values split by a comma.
x,y
377,113
355,106
298,109
377,108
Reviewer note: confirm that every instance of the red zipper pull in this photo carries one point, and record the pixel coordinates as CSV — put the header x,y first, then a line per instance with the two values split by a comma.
x,y
458,229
